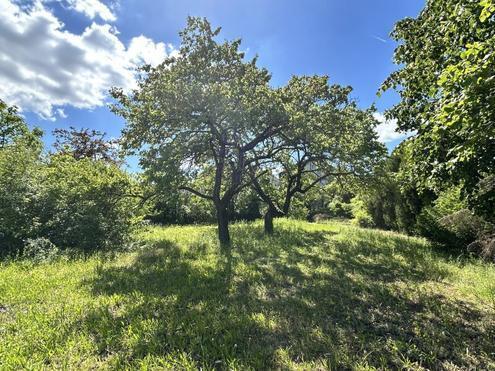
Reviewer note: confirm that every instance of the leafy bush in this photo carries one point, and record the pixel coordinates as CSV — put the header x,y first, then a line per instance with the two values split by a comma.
x,y
83,205
86,205
465,225
447,220
39,250
19,189
361,215
339,209
428,225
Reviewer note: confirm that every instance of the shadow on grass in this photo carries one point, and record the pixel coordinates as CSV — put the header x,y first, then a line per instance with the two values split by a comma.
x,y
297,297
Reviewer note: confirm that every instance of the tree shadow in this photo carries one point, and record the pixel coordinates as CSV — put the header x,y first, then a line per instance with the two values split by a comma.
x,y
296,297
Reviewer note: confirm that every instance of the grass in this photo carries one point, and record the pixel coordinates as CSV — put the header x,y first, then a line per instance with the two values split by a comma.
x,y
313,296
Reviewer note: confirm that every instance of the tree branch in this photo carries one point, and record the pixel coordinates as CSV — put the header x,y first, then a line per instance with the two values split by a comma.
x,y
197,193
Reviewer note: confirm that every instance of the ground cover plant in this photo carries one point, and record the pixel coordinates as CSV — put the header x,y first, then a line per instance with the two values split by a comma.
x,y
311,296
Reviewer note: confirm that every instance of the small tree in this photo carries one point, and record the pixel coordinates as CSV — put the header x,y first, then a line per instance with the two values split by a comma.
x,y
327,137
205,111
86,143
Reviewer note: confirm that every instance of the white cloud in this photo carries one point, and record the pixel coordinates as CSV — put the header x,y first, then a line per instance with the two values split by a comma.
x,y
92,9
387,129
44,67
61,113
143,50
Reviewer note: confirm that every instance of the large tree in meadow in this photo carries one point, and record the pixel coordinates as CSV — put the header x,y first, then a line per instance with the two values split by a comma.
x,y
447,85
206,110
327,137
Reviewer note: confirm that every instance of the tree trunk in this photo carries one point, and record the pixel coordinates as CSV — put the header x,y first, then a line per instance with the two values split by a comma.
x,y
223,227
269,215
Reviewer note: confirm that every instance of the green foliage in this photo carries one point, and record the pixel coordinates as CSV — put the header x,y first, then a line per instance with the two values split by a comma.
x,y
389,199
450,201
447,220
447,85
339,209
19,185
84,204
39,250
392,201
12,126
206,110
75,204
180,207
312,296
327,138
247,206
208,122
361,215
80,205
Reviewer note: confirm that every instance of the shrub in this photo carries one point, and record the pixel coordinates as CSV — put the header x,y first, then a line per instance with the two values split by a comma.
x,y
339,209
361,215
448,221
484,247
428,225
19,187
82,205
86,205
40,250
465,225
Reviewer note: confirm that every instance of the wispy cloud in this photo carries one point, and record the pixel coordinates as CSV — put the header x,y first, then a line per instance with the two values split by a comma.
x,y
381,39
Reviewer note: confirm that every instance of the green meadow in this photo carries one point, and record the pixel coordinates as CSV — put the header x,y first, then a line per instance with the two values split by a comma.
x,y
312,296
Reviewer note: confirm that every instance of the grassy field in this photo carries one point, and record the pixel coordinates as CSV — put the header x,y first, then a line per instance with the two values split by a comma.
x,y
313,296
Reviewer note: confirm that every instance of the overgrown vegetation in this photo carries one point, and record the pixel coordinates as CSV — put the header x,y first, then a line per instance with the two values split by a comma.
x,y
311,296
446,82
66,199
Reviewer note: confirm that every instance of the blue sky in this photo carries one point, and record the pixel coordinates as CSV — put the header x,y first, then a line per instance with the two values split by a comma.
x,y
51,46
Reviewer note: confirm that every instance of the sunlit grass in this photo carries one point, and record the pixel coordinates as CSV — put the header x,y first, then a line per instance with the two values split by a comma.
x,y
313,296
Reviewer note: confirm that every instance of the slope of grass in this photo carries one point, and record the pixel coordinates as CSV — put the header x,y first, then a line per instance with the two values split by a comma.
x,y
313,296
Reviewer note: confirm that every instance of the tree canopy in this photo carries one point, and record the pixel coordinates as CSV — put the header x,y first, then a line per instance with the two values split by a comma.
x,y
206,110
328,137
209,111
86,143
447,85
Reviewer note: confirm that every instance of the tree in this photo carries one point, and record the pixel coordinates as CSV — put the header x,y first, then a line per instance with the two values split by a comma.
x,y
327,137
20,153
206,110
85,143
447,86
13,127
